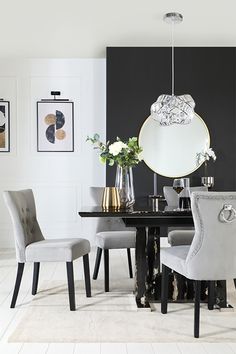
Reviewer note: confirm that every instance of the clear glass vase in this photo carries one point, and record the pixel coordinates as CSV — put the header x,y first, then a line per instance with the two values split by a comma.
x,y
207,181
124,181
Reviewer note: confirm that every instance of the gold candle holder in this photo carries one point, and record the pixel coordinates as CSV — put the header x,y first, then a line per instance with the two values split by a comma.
x,y
111,198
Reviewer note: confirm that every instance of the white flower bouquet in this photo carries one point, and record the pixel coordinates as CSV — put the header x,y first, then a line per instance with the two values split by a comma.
x,y
205,156
124,154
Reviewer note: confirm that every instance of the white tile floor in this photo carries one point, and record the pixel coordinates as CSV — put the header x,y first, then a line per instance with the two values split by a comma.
x,y
56,271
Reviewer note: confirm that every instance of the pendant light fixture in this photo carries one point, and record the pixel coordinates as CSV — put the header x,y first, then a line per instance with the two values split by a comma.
x,y
171,109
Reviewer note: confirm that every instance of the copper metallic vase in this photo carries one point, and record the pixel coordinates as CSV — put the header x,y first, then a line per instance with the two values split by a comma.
x,y
111,198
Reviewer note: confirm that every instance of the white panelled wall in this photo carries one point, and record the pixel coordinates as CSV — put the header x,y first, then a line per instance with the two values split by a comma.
x,y
60,180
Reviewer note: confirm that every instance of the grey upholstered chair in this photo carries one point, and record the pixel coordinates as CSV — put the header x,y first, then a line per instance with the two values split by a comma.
x,y
32,247
211,256
180,235
111,233
171,196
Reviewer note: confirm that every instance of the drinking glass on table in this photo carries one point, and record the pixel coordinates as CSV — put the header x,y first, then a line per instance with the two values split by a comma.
x,y
178,186
184,198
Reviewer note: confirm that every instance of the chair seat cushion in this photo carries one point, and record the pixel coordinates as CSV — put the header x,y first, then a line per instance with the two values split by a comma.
x,y
175,258
180,237
116,239
57,250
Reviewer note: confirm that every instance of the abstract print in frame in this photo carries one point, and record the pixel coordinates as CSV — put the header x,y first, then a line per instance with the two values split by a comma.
x,y
4,126
55,126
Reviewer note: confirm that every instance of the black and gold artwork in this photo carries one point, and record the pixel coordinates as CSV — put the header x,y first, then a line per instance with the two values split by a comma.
x,y
55,122
55,126
4,126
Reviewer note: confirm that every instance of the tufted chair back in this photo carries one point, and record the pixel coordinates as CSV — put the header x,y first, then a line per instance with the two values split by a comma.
x,y
106,224
22,210
212,252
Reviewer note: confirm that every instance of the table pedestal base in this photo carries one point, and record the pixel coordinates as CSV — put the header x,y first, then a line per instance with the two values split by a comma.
x,y
148,275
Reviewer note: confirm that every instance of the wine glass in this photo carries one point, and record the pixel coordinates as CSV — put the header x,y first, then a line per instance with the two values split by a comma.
x,y
178,186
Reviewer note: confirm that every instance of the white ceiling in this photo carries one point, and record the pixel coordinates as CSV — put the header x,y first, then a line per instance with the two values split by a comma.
x,y
84,28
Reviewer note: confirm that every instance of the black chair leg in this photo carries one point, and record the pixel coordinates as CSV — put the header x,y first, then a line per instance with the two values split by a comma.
x,y
20,270
164,288
235,283
129,263
71,285
197,307
35,278
211,295
87,275
97,263
106,269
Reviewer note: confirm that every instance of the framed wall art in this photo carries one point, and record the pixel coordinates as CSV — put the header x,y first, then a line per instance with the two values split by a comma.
x,y
4,126
55,126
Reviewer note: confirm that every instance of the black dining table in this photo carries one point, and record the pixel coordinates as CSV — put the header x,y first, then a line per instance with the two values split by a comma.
x,y
150,221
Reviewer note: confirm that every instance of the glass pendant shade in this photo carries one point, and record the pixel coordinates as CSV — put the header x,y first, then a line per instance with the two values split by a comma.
x,y
171,109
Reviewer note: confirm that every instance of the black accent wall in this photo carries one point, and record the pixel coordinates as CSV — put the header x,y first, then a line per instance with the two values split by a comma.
x,y
136,76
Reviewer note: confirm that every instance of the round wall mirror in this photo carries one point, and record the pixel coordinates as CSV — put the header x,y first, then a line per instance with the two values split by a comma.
x,y
171,151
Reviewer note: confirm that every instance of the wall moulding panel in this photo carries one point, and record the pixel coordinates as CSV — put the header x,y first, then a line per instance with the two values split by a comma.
x,y
60,180
61,203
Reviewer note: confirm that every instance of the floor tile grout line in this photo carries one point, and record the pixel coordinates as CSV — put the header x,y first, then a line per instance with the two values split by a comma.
x,y
74,348
12,288
204,349
7,275
53,273
17,310
192,343
234,351
10,322
22,345
47,348
231,349
8,294
229,346
179,349
11,270
153,351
